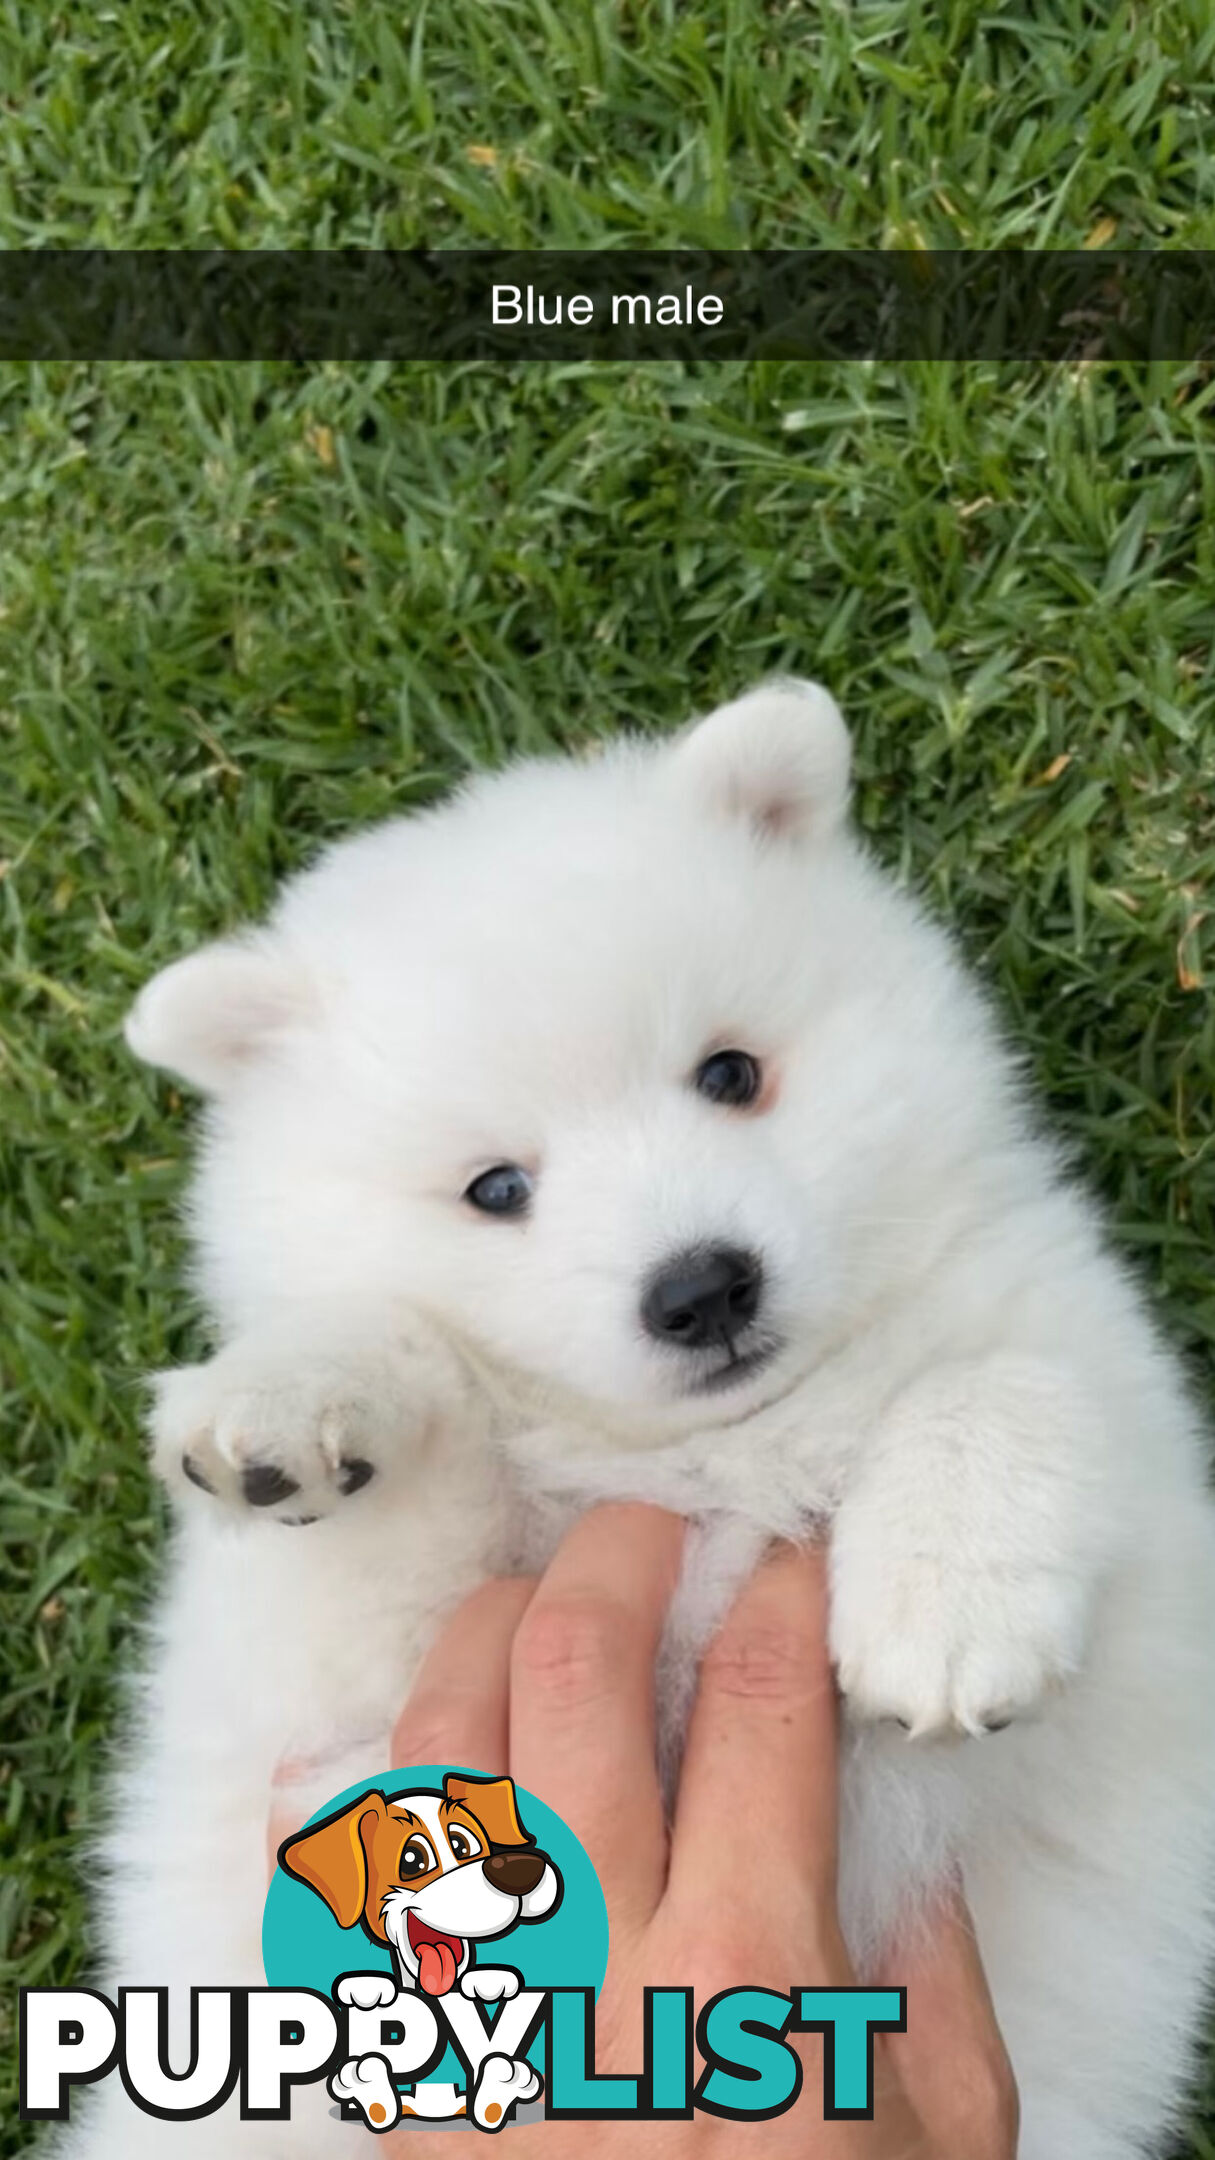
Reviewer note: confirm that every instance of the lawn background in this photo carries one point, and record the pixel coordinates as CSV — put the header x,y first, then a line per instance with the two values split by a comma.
x,y
243,609
581,123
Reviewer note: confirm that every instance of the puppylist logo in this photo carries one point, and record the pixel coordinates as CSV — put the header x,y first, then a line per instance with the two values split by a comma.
x,y
445,1878
435,1946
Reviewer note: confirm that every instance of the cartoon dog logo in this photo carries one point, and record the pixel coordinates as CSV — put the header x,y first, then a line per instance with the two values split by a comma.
x,y
431,1875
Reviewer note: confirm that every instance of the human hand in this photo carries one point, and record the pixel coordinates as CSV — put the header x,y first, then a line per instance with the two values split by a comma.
x,y
553,1681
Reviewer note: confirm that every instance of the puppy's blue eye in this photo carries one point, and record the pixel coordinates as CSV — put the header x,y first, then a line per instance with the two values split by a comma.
x,y
732,1077
504,1190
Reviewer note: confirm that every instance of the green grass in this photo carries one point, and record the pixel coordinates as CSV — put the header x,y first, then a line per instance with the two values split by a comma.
x,y
244,609
532,123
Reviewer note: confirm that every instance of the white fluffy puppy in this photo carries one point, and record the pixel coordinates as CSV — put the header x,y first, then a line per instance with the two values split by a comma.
x,y
618,1127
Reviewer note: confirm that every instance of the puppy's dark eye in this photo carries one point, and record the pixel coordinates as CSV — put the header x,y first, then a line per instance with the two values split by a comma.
x,y
504,1190
416,1859
461,1844
732,1077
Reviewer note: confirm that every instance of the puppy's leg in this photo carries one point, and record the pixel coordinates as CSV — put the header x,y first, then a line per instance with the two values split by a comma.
x,y
187,1878
967,1547
269,1650
106,2125
295,1425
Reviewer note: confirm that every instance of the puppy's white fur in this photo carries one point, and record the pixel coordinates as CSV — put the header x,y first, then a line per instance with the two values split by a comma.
x,y
966,1383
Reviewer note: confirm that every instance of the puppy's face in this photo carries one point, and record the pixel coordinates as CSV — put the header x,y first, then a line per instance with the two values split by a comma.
x,y
431,1873
621,1067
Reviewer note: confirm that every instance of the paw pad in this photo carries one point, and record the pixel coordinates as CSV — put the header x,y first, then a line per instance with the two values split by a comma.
x,y
353,1473
291,1445
264,1484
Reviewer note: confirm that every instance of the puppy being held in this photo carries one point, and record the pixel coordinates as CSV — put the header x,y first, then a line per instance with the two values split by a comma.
x,y
618,1128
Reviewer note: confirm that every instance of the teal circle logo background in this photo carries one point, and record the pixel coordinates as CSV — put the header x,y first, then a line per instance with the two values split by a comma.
x,y
303,1946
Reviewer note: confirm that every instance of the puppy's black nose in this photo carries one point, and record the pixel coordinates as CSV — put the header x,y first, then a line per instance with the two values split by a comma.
x,y
703,1297
514,1872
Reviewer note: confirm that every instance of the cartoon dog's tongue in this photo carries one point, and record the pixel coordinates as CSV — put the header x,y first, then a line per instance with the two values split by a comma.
x,y
438,1956
436,1967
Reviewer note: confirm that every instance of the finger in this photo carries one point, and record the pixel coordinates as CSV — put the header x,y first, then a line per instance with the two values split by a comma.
x,y
582,1695
951,2062
757,1803
457,1711
297,1791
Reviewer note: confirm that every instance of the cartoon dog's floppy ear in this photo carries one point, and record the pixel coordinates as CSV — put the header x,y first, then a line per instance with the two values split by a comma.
x,y
492,1801
331,1857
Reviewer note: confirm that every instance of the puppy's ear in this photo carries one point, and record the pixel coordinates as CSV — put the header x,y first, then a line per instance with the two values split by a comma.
x,y
206,1016
492,1801
779,757
331,1857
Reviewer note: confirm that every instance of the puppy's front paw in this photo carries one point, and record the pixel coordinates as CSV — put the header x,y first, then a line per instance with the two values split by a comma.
x,y
291,1438
964,1556
941,1646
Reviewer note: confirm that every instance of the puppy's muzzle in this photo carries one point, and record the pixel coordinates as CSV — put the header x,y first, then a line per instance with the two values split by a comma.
x,y
514,1872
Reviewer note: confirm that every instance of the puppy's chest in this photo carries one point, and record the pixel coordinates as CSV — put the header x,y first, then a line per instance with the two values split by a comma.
x,y
778,1473
736,1489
